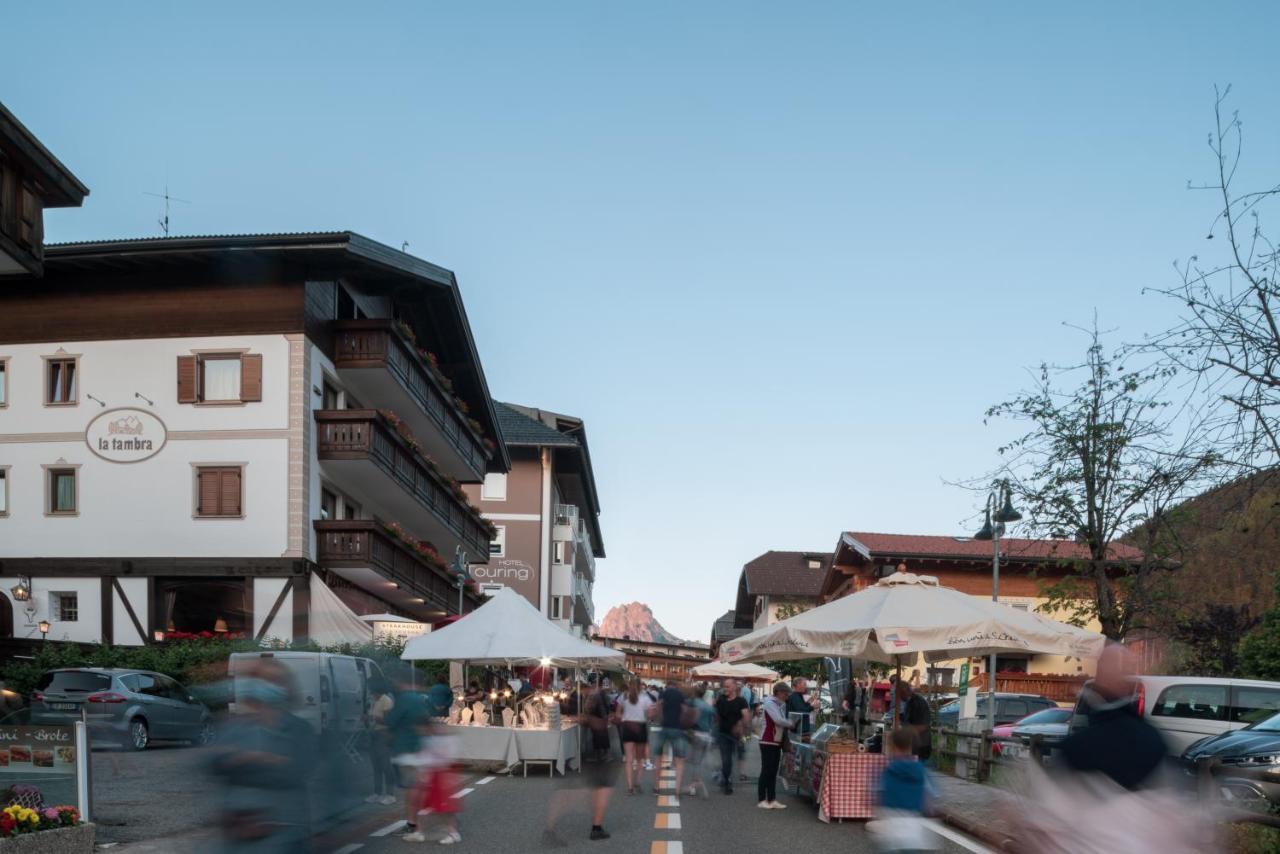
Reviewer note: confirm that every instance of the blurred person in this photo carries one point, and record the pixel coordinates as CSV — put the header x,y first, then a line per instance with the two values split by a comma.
x,y
734,719
380,744
914,715
435,764
633,713
440,696
598,777
264,759
776,724
746,692
701,739
855,705
405,720
905,797
474,693
670,733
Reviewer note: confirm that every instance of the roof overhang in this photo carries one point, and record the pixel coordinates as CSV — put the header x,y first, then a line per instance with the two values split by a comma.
x,y
58,187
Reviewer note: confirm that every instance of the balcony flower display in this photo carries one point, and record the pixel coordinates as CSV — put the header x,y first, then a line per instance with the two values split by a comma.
x,y
432,363
423,548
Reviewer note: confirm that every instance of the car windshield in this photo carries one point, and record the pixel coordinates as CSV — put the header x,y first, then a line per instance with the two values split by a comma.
x,y
953,708
1271,724
73,682
1046,716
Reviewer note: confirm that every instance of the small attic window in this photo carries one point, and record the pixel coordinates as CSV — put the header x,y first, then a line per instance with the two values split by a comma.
x,y
815,564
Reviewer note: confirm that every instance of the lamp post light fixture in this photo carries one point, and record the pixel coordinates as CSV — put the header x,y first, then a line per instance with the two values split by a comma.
x,y
44,629
22,590
460,573
999,510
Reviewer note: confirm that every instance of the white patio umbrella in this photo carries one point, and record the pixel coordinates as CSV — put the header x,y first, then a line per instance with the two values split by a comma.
x,y
904,616
723,670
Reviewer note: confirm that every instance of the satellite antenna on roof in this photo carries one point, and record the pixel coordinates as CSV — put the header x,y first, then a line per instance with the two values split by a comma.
x,y
164,222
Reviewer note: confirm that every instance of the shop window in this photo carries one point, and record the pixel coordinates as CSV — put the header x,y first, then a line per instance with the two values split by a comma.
x,y
220,378
219,492
64,607
62,498
60,381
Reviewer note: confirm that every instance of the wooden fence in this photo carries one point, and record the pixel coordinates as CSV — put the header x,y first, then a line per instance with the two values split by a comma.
x,y
1059,688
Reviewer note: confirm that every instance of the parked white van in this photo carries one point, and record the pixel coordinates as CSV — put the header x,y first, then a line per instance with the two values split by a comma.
x,y
333,690
1188,708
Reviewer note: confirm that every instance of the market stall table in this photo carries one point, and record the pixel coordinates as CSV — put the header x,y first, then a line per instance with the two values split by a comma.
x,y
513,745
849,784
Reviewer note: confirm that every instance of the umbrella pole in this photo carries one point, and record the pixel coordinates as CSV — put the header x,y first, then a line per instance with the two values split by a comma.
x,y
893,695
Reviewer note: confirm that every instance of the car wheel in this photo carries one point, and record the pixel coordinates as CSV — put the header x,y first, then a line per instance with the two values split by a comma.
x,y
205,736
139,734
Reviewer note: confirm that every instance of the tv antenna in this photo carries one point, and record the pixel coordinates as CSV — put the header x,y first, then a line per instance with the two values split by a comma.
x,y
164,222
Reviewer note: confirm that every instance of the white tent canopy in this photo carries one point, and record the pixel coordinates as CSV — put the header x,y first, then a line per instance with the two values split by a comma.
x,y
508,630
905,615
721,670
332,622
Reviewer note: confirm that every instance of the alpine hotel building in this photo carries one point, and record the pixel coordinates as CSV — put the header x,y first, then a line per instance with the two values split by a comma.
x,y
231,434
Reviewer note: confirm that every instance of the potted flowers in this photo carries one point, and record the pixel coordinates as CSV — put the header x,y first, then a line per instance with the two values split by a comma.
x,y
46,830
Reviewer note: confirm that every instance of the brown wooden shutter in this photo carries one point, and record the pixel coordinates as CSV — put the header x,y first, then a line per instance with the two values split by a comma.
x,y
230,492
208,492
187,379
251,377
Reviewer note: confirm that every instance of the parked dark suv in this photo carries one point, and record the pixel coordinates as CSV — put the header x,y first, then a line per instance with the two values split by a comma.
x,y
125,707
1248,768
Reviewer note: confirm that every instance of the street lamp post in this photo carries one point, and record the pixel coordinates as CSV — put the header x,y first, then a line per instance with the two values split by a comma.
x,y
460,573
1000,510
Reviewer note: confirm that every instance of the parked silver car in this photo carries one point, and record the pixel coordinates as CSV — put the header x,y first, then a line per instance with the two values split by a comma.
x,y
126,707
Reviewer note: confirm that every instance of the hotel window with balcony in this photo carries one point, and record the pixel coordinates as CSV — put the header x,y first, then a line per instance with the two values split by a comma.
x,y
60,381
4,383
328,505
498,545
220,378
494,487
64,607
4,491
61,492
219,492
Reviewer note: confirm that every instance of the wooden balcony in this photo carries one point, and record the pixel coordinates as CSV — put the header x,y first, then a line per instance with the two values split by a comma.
x,y
364,544
365,457
384,370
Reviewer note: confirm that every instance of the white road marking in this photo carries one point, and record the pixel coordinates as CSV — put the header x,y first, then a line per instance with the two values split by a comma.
x,y
462,793
958,838
485,780
348,849
390,828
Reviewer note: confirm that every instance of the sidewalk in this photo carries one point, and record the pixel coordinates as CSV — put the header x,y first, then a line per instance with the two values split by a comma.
x,y
982,811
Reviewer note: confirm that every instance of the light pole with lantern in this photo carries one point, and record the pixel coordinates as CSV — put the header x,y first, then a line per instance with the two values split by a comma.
x,y
460,573
999,510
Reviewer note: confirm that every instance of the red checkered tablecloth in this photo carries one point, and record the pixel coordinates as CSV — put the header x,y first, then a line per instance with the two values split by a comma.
x,y
850,785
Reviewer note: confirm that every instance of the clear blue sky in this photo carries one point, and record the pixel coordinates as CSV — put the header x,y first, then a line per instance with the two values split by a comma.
x,y
779,257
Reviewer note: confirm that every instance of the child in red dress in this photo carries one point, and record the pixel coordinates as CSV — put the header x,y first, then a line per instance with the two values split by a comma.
x,y
438,784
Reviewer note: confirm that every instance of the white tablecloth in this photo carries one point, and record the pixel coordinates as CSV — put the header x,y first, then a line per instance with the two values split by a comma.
x,y
512,745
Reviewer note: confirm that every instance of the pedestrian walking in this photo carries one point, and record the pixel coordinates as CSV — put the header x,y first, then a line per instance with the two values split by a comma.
x,y
436,763
380,744
905,795
772,737
734,719
598,777
701,739
748,695
405,722
633,715
670,733
914,714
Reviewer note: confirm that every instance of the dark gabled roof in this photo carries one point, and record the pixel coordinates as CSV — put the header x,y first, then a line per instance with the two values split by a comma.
x,y
966,548
723,629
786,574
60,188
519,429
338,252
527,426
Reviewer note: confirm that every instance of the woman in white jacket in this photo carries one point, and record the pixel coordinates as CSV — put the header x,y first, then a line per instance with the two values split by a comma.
x,y
774,728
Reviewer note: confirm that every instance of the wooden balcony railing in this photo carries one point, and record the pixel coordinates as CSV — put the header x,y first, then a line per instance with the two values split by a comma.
x,y
379,344
349,434
366,543
1061,688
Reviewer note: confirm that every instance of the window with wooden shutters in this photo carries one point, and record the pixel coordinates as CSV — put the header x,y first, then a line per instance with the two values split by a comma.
x,y
220,378
219,491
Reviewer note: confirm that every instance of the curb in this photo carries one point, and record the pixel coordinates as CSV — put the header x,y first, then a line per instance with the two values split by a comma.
x,y
994,838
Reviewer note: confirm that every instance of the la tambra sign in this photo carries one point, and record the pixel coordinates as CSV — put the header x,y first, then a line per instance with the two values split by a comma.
x,y
126,435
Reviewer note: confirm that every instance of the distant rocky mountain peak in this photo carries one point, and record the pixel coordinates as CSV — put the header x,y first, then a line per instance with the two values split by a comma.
x,y
635,620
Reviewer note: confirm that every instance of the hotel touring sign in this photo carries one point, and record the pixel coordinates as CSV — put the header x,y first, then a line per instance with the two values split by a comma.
x,y
126,435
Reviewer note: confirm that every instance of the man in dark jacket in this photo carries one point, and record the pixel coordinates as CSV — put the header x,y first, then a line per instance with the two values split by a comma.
x,y
1117,742
915,715
800,704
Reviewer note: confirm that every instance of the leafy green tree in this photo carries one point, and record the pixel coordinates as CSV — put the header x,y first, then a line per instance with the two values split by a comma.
x,y
1260,650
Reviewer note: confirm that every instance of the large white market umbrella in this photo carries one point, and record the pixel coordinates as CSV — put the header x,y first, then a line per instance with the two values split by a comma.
x,y
508,630
905,615
724,670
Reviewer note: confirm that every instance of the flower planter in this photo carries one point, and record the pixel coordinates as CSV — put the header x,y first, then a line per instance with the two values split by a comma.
x,y
62,840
